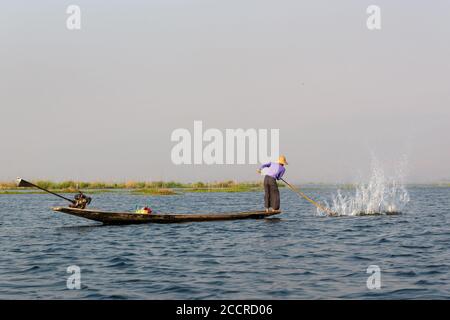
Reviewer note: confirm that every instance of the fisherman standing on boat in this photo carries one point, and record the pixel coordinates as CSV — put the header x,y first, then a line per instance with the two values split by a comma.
x,y
272,171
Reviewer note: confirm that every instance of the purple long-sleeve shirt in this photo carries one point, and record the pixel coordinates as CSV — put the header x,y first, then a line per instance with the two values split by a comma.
x,y
274,170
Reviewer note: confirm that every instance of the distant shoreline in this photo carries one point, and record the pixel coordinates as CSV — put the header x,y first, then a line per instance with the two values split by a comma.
x,y
135,187
164,188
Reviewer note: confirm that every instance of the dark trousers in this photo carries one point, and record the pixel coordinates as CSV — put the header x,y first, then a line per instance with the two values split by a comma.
x,y
271,193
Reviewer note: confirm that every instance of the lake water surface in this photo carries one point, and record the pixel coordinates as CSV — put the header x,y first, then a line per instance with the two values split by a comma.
x,y
297,255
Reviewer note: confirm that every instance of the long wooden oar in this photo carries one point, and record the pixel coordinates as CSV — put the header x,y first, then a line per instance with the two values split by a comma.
x,y
318,205
25,183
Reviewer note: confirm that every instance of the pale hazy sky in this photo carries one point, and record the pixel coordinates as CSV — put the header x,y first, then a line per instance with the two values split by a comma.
x,y
100,103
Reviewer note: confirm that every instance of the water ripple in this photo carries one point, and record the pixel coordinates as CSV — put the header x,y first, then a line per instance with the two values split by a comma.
x,y
295,256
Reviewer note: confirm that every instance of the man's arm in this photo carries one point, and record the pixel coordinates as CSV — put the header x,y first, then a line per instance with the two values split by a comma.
x,y
266,165
280,173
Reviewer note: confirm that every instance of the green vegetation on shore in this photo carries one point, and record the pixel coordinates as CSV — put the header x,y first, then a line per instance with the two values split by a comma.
x,y
162,187
155,192
135,187
225,187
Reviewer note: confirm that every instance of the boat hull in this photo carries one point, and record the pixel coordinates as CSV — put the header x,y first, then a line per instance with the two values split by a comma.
x,y
108,217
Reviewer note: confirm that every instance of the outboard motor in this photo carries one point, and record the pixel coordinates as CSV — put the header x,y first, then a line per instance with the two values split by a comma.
x,y
81,201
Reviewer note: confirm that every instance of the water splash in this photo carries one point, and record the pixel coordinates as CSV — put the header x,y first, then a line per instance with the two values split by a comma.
x,y
382,195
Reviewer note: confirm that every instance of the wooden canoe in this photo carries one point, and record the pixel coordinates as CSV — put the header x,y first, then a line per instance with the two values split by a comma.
x,y
108,217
